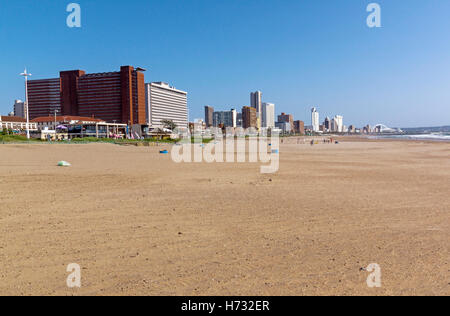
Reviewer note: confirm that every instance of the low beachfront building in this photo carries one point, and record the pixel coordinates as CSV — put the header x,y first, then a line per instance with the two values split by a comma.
x,y
78,126
16,124
52,122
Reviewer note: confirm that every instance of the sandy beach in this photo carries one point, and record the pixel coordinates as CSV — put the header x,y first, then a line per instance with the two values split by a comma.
x,y
139,224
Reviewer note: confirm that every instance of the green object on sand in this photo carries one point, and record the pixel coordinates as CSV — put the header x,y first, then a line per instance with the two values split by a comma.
x,y
63,164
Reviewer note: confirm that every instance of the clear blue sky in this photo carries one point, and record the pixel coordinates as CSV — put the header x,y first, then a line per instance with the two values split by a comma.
x,y
300,53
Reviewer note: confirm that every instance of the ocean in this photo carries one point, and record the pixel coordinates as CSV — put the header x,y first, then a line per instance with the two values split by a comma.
x,y
431,136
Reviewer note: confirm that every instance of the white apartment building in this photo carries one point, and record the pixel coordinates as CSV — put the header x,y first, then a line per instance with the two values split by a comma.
x,y
164,102
337,124
339,120
315,120
268,115
19,109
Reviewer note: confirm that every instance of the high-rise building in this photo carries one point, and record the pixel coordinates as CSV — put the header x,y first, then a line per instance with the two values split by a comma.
x,y
70,95
337,124
334,127
315,120
239,119
268,115
164,102
112,96
299,127
256,103
249,117
209,116
286,118
339,120
44,97
327,124
20,109
225,118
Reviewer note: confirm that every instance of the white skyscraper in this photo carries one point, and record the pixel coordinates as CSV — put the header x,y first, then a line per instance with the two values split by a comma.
x,y
166,103
315,120
268,115
339,123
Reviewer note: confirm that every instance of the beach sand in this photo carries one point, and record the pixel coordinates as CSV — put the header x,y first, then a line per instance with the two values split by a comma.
x,y
139,224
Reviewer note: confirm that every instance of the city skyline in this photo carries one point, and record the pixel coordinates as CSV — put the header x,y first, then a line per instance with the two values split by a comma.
x,y
395,75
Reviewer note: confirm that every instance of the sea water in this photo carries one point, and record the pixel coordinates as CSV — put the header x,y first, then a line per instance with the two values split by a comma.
x,y
431,136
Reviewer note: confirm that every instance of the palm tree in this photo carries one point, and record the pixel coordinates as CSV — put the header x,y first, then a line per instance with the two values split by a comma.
x,y
169,124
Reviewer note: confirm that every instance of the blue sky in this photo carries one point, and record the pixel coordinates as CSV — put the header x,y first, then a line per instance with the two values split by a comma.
x,y
300,53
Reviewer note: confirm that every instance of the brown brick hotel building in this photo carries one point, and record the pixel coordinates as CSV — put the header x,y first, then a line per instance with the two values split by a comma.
x,y
112,96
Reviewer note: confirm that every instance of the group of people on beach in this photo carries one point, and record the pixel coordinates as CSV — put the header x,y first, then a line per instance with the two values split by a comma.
x,y
315,142
325,141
